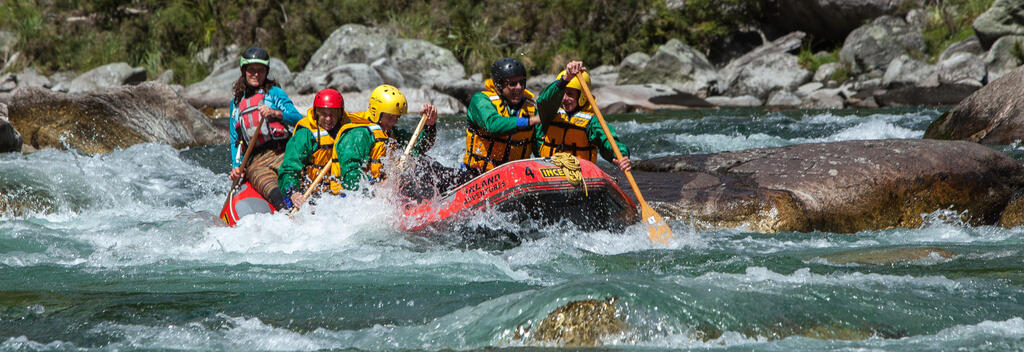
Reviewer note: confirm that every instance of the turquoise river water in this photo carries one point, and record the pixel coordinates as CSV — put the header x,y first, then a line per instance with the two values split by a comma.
x,y
122,252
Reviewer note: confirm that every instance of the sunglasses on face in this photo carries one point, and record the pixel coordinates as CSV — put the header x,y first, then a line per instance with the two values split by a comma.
x,y
510,83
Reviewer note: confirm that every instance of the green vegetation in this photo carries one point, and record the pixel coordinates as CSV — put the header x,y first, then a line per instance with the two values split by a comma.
x,y
77,35
159,35
948,22
811,61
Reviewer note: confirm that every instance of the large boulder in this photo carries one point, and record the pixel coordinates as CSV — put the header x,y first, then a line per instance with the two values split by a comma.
x,y
674,64
830,20
870,48
962,68
841,187
107,76
349,44
993,114
1004,56
10,139
403,62
424,64
768,73
102,121
1002,19
785,44
344,78
905,70
970,45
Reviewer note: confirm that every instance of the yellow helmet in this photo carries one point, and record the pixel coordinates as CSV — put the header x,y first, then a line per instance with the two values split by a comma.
x,y
386,99
575,84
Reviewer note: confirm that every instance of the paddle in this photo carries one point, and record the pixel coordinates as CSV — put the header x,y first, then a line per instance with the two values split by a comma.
x,y
245,161
657,229
312,186
412,142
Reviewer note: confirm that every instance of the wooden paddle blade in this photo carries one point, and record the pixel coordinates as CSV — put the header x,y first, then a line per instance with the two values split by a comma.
x,y
657,228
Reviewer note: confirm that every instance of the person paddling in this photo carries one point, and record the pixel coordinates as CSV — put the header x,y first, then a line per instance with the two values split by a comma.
x,y
500,118
365,142
254,96
574,129
312,147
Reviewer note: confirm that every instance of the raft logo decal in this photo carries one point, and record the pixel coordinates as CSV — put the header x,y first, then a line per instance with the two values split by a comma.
x,y
552,172
488,185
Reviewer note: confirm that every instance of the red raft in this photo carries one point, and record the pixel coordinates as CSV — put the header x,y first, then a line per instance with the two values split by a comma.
x,y
531,189
246,201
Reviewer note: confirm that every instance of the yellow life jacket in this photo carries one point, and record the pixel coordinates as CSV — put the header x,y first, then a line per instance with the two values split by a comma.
x,y
377,152
569,134
324,152
484,150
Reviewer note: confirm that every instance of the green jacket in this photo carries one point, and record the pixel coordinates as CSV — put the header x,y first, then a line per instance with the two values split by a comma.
x,y
354,149
595,134
482,114
296,154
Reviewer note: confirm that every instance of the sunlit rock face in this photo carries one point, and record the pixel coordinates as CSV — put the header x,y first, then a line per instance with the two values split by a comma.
x,y
101,121
842,187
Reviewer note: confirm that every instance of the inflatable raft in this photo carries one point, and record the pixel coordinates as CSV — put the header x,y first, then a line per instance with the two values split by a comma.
x,y
246,201
531,189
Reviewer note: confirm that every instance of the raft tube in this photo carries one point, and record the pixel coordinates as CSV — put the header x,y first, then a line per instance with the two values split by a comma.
x,y
530,189
245,202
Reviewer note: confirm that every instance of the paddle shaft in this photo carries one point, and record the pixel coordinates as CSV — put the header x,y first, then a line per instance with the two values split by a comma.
x,y
611,140
412,141
312,186
245,160
657,229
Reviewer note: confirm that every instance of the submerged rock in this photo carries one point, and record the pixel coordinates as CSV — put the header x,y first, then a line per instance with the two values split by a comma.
x,y
993,114
841,187
100,122
579,323
889,256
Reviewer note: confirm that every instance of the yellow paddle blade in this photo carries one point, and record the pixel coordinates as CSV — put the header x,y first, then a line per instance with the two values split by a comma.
x,y
657,229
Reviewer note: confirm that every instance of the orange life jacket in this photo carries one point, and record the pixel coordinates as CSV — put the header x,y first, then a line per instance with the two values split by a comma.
x,y
569,134
485,150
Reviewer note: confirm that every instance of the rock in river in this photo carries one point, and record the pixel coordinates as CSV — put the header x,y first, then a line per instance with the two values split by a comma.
x,y
841,187
102,121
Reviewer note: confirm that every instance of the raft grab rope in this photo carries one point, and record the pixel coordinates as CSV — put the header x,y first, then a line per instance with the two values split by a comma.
x,y
571,169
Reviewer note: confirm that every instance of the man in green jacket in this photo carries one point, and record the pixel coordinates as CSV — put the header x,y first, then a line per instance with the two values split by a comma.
x,y
500,118
311,147
365,142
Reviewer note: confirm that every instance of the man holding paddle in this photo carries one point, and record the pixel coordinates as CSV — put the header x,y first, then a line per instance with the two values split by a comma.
x,y
574,129
364,143
311,148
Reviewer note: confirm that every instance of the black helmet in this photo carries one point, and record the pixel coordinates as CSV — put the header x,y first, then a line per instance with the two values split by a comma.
x,y
505,68
255,55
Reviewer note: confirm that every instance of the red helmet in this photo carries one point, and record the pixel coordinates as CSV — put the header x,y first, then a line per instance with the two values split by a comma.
x,y
328,98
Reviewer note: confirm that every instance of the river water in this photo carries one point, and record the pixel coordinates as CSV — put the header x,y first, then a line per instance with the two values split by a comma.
x,y
122,251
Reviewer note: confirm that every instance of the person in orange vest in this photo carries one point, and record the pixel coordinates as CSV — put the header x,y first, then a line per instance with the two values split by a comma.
x,y
574,129
311,147
254,96
500,118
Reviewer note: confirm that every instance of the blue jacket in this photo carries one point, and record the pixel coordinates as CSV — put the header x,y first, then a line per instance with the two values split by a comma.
x,y
276,99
